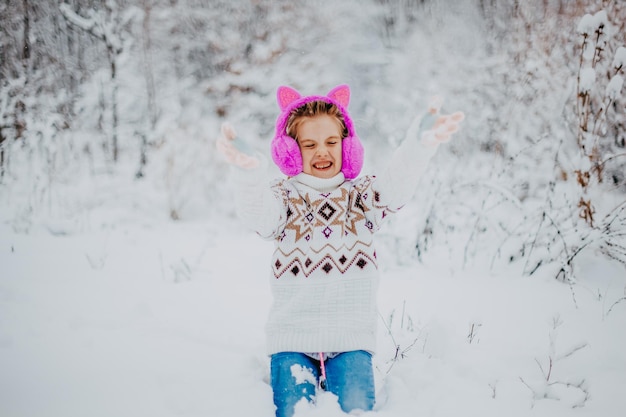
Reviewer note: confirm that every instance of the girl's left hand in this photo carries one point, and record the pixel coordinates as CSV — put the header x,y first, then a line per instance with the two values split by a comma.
x,y
443,127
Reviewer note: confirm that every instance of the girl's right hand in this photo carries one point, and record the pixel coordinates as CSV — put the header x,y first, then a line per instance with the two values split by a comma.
x,y
236,151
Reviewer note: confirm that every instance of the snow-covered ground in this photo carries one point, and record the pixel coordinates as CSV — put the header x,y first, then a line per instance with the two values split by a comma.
x,y
132,314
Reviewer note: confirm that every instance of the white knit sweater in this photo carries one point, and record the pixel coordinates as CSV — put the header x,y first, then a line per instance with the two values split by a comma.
x,y
324,270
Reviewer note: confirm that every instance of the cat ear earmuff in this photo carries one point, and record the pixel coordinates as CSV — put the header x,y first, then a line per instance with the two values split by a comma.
x,y
285,150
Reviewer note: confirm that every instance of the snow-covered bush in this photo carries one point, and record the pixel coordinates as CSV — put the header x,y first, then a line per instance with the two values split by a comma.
x,y
514,193
592,212
599,107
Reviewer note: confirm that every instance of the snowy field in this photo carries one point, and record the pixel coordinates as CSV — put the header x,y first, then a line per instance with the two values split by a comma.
x,y
109,308
143,316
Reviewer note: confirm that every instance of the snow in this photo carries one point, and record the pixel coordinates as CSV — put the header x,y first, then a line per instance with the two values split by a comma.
x,y
105,324
589,24
614,87
600,19
302,375
108,307
620,57
586,25
587,79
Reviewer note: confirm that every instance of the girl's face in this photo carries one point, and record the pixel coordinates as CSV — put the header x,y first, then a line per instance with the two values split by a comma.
x,y
319,138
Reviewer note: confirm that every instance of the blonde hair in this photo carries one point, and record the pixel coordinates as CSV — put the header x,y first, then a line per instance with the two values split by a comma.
x,y
312,109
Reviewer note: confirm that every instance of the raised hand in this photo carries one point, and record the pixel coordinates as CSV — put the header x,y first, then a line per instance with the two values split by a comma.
x,y
438,128
235,150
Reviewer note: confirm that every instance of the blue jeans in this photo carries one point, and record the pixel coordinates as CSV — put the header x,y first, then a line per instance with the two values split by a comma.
x,y
349,376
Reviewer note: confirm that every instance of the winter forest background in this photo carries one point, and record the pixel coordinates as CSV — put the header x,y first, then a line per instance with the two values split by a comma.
x,y
109,110
136,90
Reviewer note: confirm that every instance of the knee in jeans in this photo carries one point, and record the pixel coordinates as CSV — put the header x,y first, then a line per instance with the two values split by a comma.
x,y
356,403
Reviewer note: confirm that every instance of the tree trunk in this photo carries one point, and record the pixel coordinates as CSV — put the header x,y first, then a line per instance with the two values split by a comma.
x,y
150,89
26,46
2,139
114,144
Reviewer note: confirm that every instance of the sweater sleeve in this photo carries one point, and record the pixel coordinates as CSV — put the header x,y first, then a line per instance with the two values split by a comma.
x,y
257,205
398,181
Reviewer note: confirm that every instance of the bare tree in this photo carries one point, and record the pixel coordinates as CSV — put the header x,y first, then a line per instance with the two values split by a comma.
x,y
150,86
106,26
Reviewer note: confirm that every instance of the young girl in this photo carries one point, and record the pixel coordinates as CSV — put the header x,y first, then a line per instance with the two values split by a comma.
x,y
321,331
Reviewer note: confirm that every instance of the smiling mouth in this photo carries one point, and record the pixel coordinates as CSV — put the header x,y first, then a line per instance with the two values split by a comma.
x,y
322,165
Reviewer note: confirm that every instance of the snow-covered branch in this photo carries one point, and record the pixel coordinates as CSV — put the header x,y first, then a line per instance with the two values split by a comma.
x,y
96,25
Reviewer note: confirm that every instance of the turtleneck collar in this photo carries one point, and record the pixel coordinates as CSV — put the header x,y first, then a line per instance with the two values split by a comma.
x,y
323,185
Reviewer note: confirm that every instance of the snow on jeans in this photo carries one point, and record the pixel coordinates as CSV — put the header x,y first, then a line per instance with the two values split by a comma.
x,y
349,376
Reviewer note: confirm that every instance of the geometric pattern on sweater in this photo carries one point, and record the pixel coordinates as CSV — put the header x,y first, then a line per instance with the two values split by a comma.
x,y
327,233
298,262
